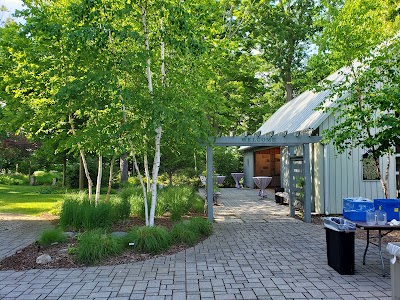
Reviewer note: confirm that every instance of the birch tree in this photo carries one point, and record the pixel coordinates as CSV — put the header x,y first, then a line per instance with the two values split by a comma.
x,y
364,38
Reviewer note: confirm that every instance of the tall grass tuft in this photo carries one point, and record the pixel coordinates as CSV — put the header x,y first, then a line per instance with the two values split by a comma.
x,y
50,236
197,204
96,245
183,233
201,225
176,200
121,208
149,239
78,213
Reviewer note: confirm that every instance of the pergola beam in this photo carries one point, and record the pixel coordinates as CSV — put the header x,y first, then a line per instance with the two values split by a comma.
x,y
256,141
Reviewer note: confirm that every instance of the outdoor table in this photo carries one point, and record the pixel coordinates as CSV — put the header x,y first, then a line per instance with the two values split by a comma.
x,y
262,182
383,230
220,179
237,177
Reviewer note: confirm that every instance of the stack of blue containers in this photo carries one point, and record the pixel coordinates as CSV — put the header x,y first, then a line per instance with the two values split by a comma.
x,y
355,209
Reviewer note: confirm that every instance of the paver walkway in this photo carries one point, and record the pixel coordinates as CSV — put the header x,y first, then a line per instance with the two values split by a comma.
x,y
18,231
256,252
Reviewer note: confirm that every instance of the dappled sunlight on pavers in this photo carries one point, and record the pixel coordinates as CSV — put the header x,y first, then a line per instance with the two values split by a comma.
x,y
256,252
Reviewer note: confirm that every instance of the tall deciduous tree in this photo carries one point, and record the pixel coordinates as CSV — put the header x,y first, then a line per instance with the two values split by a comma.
x,y
281,31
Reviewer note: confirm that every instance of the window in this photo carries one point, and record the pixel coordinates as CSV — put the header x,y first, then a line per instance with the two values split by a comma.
x,y
369,167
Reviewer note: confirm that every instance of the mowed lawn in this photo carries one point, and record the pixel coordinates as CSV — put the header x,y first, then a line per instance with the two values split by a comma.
x,y
20,199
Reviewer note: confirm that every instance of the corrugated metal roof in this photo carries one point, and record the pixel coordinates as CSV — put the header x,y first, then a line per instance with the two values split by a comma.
x,y
300,113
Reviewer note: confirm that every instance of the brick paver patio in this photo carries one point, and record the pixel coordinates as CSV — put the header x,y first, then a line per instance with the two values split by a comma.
x,y
256,252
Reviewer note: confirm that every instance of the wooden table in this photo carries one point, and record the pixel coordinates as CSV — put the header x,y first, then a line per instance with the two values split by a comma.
x,y
383,230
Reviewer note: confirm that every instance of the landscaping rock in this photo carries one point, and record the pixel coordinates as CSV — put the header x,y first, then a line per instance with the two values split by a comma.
x,y
63,251
43,259
70,234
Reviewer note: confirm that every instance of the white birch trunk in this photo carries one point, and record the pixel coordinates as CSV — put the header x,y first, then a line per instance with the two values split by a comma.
x,y
98,183
385,181
90,182
146,172
157,154
150,85
146,41
136,167
156,167
85,167
146,208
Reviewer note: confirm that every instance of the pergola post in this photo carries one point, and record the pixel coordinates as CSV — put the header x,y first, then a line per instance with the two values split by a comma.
x,y
291,183
209,184
307,186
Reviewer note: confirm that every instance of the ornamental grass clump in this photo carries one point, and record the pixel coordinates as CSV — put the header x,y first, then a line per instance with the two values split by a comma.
x,y
121,208
201,225
176,200
95,245
152,240
197,204
78,213
52,236
183,233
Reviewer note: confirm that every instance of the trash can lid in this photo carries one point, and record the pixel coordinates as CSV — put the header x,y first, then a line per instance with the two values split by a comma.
x,y
339,224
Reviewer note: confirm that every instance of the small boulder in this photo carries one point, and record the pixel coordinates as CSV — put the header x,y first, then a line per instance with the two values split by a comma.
x,y
70,234
43,259
63,251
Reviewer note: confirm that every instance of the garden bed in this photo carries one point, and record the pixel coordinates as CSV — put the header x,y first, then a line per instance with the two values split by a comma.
x,y
25,259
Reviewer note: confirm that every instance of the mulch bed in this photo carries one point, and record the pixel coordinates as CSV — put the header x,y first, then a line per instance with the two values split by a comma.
x,y
25,259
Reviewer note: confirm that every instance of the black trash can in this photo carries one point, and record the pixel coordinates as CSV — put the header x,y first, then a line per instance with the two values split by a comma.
x,y
340,245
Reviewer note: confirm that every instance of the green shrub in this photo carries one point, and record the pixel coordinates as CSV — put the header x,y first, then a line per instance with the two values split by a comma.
x,y
43,177
187,176
56,209
183,233
149,239
96,245
13,179
130,191
51,236
201,225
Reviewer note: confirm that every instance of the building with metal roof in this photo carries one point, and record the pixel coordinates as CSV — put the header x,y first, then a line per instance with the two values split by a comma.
x,y
334,176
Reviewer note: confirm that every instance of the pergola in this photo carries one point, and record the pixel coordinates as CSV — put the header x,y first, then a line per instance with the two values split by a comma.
x,y
290,140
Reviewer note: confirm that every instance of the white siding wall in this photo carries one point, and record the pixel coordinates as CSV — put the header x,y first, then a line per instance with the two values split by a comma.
x,y
248,169
345,176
